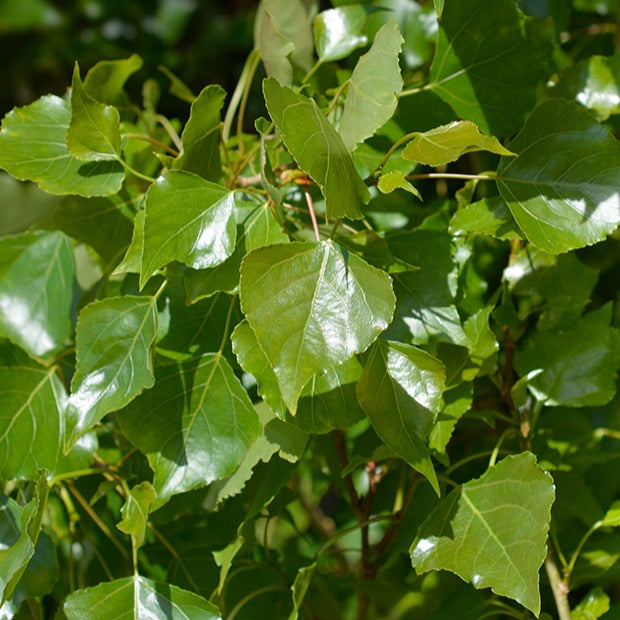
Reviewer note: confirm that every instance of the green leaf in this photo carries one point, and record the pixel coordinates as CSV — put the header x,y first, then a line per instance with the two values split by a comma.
x,y
94,132
300,587
187,219
612,516
114,359
390,181
137,597
594,605
331,305
492,531
400,390
135,512
447,143
374,87
201,135
32,425
177,87
33,148
425,306
562,188
132,261
317,148
36,291
594,83
195,425
577,362
339,31
105,81
489,216
489,61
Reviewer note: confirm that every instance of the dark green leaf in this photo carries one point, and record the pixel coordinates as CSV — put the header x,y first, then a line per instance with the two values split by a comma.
x,y
594,83
114,359
400,390
489,61
187,219
137,597
318,149
562,188
492,530
195,425
449,142
577,363
201,135
374,88
105,81
337,32
36,291
330,306
33,148
94,132
135,512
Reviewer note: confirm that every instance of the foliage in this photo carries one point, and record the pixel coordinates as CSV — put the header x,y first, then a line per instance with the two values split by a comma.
x,y
345,348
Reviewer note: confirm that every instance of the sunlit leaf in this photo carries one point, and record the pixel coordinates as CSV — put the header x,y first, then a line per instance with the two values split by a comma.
x,y
562,188
105,81
492,530
373,89
114,359
489,216
331,305
318,149
137,597
135,512
33,148
391,181
337,32
36,280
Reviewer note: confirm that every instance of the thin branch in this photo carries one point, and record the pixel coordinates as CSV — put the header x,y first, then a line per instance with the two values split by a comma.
x,y
310,204
146,138
558,586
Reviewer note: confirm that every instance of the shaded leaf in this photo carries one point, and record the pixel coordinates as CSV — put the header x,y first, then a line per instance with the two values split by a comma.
x,y
32,425
94,132
300,587
489,61
594,605
562,188
201,135
187,219
331,305
36,291
374,87
177,87
489,216
33,148
449,142
137,597
337,32
318,149
135,512
612,516
132,261
577,363
400,390
195,425
492,531
114,359
105,81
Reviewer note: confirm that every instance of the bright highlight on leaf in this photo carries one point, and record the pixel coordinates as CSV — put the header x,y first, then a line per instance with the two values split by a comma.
x,y
492,531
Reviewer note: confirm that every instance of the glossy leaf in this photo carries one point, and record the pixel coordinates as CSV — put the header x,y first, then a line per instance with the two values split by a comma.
x,y
318,149
374,87
492,530
489,216
447,143
187,219
400,390
339,31
195,425
105,81
33,148
135,512
114,359
32,425
94,132
331,306
137,597
489,61
576,362
562,188
594,83
36,279
201,135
